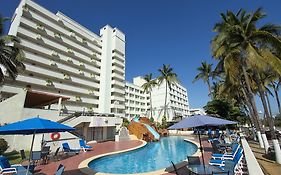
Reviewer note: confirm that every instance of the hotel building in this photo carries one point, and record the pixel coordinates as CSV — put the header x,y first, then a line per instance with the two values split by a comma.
x,y
138,102
83,72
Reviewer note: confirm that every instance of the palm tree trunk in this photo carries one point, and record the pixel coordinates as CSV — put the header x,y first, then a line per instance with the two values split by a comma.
x,y
268,103
276,96
252,118
270,122
209,88
150,103
250,95
165,107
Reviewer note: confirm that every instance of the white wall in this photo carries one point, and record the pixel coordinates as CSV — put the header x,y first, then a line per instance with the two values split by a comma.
x,y
11,108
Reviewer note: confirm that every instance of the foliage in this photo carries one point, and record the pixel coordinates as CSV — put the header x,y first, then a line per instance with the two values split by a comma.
x,y
147,87
223,109
205,73
151,119
164,122
10,54
278,120
14,156
168,76
3,146
125,123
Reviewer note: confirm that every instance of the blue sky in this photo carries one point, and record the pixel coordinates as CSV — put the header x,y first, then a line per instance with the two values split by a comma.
x,y
175,32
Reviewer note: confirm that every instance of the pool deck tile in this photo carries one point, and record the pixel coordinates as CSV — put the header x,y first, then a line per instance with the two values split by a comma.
x,y
71,164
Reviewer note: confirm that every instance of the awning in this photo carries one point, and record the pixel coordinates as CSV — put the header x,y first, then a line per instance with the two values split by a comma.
x,y
40,99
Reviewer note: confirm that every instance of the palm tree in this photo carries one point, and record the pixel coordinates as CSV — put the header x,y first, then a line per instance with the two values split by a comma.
x,y
254,48
10,54
205,72
168,76
147,86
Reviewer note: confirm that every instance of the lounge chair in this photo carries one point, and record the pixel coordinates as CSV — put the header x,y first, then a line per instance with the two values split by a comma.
x,y
23,156
193,160
60,170
54,156
66,148
83,145
230,156
7,168
237,159
221,173
175,168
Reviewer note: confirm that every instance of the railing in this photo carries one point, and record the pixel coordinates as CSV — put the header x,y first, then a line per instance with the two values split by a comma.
x,y
252,163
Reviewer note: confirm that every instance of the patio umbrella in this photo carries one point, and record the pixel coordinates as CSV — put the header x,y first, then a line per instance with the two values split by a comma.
x,y
33,126
200,120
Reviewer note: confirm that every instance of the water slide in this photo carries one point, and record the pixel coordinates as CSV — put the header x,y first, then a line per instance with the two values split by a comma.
x,y
150,129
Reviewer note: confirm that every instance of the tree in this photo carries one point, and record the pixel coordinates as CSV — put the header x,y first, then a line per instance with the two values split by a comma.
x,y
164,122
147,87
223,109
3,146
10,54
240,41
205,72
168,77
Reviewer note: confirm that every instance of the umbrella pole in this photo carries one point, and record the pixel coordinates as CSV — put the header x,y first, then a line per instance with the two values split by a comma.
x,y
201,149
30,153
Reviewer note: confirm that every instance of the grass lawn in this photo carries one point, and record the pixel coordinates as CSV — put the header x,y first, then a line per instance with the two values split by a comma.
x,y
14,156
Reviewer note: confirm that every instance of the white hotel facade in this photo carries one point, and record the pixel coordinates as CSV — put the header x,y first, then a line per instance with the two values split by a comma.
x,y
71,67
62,57
138,102
79,74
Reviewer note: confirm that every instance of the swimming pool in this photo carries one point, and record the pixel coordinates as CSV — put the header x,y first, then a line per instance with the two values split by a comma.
x,y
152,157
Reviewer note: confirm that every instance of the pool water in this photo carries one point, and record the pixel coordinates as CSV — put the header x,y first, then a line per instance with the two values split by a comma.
x,y
152,157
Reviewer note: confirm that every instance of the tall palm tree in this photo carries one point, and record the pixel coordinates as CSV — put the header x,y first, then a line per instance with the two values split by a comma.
x,y
10,54
255,48
147,87
168,77
205,73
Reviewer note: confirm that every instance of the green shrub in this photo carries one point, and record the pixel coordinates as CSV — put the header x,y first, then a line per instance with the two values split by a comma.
x,y
3,146
125,123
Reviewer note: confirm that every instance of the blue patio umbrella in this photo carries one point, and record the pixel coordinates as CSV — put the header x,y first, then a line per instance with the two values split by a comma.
x,y
33,126
201,120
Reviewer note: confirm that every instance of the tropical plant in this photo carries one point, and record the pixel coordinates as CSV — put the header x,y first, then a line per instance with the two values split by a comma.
x,y
168,77
10,55
3,146
125,123
205,73
241,46
223,109
147,87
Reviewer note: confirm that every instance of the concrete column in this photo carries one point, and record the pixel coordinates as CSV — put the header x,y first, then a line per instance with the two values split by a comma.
x,y
104,133
59,104
85,131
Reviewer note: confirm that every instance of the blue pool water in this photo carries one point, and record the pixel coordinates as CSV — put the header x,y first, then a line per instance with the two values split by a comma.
x,y
153,156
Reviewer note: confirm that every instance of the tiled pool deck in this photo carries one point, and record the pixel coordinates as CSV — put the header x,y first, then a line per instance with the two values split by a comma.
x,y
72,163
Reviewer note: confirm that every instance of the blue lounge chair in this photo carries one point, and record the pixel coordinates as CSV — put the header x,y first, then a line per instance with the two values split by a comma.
x,y
7,168
83,145
66,148
60,170
220,162
230,156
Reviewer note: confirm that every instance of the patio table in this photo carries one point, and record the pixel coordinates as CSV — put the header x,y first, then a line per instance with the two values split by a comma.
x,y
203,169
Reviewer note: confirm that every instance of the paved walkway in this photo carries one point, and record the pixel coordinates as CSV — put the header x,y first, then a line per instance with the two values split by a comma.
x,y
71,164
267,164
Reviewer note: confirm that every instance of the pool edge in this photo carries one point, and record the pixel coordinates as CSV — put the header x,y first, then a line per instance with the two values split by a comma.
x,y
84,168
